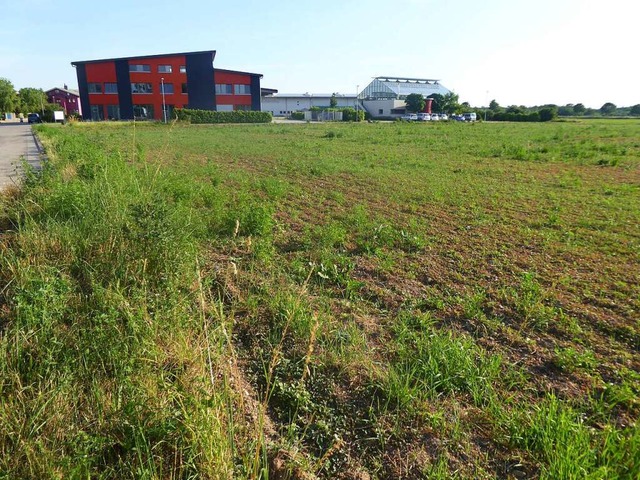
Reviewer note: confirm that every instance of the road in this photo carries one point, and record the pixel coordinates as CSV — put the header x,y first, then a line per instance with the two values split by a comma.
x,y
16,142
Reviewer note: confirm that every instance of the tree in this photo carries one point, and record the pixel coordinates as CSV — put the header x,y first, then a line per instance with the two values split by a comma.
x,y
450,103
579,109
8,98
608,108
31,99
333,102
635,110
494,106
415,102
548,113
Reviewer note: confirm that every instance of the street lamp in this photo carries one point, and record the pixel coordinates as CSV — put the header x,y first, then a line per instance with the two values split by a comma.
x,y
164,105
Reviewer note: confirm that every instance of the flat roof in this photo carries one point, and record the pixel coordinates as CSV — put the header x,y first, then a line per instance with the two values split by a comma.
x,y
212,52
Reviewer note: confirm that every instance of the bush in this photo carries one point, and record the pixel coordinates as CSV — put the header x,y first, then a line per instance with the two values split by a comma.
x,y
297,116
352,115
212,116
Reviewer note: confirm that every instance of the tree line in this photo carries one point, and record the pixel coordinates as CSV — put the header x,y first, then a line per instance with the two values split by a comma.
x,y
450,104
25,100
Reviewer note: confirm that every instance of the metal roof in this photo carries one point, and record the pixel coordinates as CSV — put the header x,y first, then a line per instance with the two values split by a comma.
x,y
400,87
142,57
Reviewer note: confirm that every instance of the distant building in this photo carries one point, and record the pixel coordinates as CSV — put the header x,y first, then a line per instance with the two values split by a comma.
x,y
384,97
147,87
68,99
283,104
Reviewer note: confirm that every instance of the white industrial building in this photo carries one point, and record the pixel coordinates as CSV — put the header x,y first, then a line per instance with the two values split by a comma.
x,y
283,104
383,98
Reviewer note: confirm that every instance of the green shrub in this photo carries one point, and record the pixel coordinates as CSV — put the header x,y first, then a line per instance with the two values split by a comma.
x,y
212,116
297,116
352,115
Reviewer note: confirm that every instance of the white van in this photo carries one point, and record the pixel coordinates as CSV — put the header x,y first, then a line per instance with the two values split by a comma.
x,y
469,117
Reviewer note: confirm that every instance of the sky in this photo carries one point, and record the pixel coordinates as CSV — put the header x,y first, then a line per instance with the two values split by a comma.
x,y
518,52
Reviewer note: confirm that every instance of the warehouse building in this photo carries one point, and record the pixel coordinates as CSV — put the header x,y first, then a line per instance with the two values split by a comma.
x,y
284,104
152,86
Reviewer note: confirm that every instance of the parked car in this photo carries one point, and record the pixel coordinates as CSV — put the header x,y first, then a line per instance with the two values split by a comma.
x,y
469,117
444,116
34,118
410,117
423,117
435,117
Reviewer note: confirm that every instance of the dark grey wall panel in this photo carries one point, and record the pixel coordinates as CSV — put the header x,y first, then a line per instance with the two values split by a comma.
x,y
200,82
125,98
81,72
255,93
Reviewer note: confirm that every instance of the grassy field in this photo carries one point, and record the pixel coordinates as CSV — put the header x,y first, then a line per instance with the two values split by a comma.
x,y
337,301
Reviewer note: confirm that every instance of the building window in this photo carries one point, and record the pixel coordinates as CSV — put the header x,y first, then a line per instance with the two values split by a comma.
x,y
223,89
380,111
113,112
242,89
183,69
143,112
184,88
140,68
242,107
110,88
168,88
141,88
95,87
97,113
169,109
164,69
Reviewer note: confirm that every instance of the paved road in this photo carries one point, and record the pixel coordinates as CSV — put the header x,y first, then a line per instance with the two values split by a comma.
x,y
16,142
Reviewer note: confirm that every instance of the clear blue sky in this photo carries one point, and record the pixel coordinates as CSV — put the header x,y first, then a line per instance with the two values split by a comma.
x,y
516,51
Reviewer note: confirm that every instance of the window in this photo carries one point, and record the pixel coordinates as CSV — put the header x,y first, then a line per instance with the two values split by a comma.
x,y
168,88
380,111
113,112
242,107
143,112
169,109
97,113
141,88
95,87
164,69
110,88
223,89
140,68
184,88
242,89
224,108
183,69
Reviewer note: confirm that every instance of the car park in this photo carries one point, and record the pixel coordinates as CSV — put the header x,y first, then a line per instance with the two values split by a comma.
x,y
435,117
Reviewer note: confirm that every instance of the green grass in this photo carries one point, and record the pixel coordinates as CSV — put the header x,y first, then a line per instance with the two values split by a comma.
x,y
409,301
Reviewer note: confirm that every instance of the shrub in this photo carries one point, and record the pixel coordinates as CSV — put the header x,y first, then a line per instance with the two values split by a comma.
x,y
212,116
297,116
352,115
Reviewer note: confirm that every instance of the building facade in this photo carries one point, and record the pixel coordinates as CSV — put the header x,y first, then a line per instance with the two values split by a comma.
x,y
284,104
152,86
69,100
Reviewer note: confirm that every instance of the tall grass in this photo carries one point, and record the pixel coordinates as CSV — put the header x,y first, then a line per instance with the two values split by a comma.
x,y
108,368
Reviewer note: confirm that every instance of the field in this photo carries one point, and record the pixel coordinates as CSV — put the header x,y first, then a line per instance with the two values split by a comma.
x,y
350,301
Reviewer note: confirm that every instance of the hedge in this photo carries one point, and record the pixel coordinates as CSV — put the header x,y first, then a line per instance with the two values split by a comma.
x,y
211,116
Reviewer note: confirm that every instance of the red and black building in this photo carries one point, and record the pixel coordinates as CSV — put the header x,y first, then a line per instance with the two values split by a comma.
x,y
139,87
